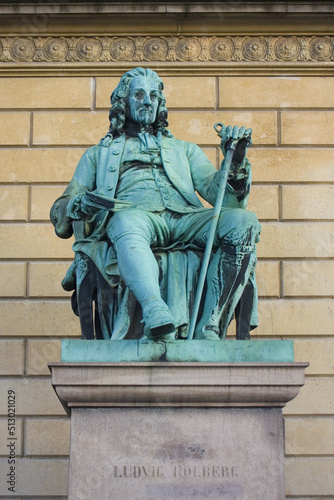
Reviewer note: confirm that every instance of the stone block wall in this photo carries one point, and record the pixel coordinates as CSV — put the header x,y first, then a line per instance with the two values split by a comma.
x,y
46,123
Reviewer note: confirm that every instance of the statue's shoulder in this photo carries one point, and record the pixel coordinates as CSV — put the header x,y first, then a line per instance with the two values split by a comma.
x,y
89,159
93,151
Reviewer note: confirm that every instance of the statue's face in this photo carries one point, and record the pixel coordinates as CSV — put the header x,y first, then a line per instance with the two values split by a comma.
x,y
143,101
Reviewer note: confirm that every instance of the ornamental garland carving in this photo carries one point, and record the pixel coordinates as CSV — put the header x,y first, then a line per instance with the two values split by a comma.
x,y
90,49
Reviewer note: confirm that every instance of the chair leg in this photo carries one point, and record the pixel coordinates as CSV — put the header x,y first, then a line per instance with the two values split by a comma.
x,y
85,299
243,313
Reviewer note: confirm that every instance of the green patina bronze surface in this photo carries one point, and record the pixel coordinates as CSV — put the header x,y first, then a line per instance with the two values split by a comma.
x,y
230,351
134,195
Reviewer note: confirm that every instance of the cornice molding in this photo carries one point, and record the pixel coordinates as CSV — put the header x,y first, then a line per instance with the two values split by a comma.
x,y
209,55
172,49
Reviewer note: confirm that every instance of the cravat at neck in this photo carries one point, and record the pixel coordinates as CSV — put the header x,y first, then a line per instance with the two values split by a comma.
x,y
132,128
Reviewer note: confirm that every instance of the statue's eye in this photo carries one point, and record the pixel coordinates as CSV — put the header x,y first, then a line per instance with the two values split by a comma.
x,y
153,96
140,95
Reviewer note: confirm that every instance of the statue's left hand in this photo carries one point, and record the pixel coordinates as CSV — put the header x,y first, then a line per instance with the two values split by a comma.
x,y
87,207
235,133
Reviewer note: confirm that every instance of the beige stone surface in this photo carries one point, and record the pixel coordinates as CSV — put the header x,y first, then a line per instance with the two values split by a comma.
x,y
180,91
307,127
308,202
13,202
47,437
33,397
318,352
292,165
40,353
295,317
52,93
38,478
39,165
316,397
4,451
276,91
308,278
12,279
29,241
38,318
61,128
14,129
309,476
309,436
301,239
104,87
45,279
268,278
197,126
189,92
263,200
42,198
11,357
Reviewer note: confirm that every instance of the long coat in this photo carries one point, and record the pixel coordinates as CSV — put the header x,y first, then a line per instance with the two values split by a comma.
x,y
186,166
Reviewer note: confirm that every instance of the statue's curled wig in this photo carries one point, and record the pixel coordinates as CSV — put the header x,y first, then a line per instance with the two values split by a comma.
x,y
118,102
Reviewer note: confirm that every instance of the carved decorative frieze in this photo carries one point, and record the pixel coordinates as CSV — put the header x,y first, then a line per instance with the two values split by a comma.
x,y
167,48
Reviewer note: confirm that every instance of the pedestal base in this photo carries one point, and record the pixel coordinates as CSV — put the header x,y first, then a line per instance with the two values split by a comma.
x,y
176,430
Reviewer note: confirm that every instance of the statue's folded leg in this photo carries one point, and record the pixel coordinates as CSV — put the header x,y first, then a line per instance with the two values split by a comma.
x,y
132,233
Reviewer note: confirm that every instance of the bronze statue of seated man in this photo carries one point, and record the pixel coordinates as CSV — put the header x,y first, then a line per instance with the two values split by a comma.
x,y
135,193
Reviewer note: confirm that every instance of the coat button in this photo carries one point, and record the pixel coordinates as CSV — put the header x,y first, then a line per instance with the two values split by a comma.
x,y
112,168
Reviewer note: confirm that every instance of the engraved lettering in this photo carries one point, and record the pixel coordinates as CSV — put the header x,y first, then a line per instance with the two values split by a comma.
x,y
116,472
225,472
137,471
215,471
207,471
160,471
177,471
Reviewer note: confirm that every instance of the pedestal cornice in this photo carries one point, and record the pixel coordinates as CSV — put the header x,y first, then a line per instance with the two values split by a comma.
x,y
176,384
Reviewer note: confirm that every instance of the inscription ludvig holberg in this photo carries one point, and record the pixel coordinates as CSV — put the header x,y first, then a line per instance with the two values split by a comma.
x,y
174,471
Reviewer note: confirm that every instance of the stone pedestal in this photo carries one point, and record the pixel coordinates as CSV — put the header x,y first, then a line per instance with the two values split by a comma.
x,y
176,430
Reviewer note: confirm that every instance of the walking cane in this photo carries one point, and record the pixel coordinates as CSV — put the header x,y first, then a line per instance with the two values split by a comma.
x,y
225,168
